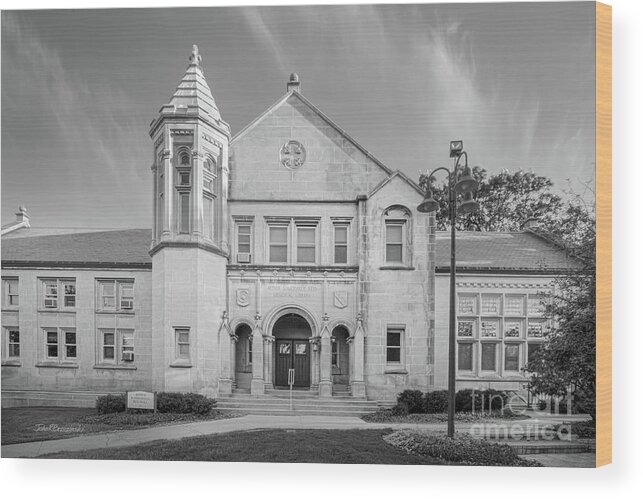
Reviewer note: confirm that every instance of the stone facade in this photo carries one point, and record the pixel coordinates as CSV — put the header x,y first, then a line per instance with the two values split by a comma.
x,y
287,246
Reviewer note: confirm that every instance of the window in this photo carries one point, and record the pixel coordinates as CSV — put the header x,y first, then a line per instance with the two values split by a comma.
x,y
116,295
182,336
292,240
249,349
306,243
184,178
334,353
184,158
51,345
397,247
488,357
244,242
341,244
10,293
184,212
11,343
209,174
512,357
278,244
60,344
394,345
59,293
116,346
467,304
465,356
503,329
394,243
208,217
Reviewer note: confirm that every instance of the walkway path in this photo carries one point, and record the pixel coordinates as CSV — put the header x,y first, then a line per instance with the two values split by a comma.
x,y
250,422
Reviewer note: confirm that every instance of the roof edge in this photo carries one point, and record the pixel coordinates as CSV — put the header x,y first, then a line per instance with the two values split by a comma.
x,y
316,110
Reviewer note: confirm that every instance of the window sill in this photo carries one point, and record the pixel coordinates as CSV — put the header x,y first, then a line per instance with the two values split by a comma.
x,y
395,370
115,367
11,363
10,309
181,364
58,310
112,312
59,365
396,267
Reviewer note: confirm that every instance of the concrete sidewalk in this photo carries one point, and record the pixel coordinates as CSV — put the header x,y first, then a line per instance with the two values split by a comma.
x,y
251,422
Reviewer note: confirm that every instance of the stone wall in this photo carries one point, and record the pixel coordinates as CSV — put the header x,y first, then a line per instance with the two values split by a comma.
x,y
32,376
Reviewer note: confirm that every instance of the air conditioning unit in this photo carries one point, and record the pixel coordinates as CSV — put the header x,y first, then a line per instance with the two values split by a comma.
x,y
243,257
127,304
51,303
128,356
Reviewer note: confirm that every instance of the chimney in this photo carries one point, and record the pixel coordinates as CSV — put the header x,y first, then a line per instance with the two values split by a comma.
x,y
293,83
21,216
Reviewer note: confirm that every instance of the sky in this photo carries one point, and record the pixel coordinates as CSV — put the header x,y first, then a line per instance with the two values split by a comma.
x,y
514,81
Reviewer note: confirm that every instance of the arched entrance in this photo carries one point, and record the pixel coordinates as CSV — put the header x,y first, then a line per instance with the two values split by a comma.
x,y
243,356
292,350
339,355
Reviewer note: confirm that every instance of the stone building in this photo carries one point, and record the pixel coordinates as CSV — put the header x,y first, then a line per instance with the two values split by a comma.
x,y
285,246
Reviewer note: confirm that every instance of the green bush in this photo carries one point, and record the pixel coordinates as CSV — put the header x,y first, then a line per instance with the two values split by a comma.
x,y
413,400
478,400
462,449
183,403
436,402
108,404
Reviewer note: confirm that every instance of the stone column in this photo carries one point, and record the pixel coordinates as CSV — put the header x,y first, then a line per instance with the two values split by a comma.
x,y
268,341
314,361
358,389
325,383
225,346
256,385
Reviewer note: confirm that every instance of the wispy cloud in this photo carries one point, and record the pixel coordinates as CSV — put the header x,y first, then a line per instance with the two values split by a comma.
x,y
87,126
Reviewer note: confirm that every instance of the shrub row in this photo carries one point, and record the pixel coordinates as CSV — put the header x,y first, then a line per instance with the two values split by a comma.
x,y
414,401
166,402
462,449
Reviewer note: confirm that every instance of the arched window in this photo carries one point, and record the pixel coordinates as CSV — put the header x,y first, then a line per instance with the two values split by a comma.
x,y
397,236
184,158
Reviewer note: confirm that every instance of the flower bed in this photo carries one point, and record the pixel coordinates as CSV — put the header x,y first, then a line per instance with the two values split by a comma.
x,y
463,449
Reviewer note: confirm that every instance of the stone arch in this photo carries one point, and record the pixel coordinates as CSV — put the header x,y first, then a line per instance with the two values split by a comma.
x,y
242,327
279,312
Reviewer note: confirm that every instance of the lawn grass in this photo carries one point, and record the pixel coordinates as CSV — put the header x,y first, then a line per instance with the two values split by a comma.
x,y
272,446
31,424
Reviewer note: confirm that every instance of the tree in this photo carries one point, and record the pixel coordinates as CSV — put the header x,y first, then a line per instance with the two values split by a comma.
x,y
507,200
568,356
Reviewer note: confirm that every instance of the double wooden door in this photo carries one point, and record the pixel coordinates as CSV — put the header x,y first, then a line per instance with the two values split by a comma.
x,y
292,354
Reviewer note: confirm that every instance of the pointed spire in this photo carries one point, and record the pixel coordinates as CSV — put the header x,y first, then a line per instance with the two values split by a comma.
x,y
193,95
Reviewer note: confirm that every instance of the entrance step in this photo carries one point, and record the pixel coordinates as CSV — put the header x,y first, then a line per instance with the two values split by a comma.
x,y
309,404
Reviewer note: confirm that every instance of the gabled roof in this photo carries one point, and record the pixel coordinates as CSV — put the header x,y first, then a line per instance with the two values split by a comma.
x,y
396,173
112,248
294,94
502,251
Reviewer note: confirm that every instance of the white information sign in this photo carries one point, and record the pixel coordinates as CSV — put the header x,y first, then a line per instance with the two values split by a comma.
x,y
140,400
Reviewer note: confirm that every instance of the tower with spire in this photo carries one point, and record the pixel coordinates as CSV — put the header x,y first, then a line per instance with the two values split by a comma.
x,y
189,241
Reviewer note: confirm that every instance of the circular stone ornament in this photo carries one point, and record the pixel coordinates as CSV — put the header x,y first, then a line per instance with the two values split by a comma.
x,y
292,155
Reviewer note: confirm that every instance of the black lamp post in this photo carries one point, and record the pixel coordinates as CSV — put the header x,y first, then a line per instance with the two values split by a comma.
x,y
460,182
